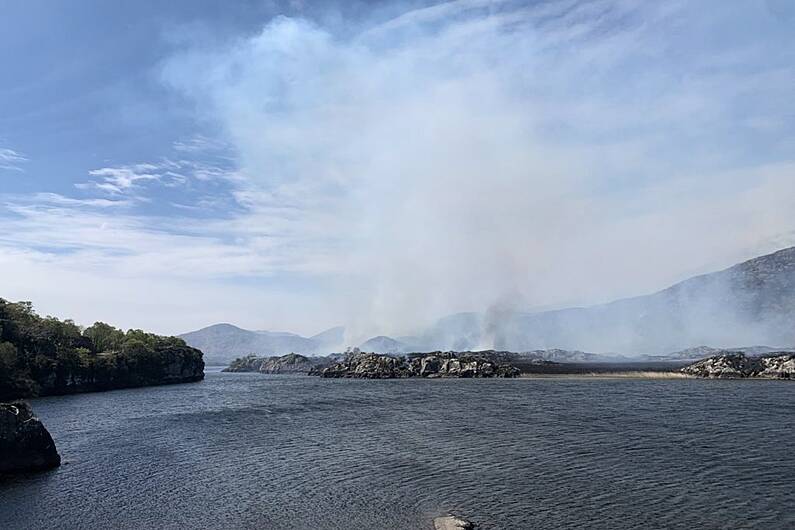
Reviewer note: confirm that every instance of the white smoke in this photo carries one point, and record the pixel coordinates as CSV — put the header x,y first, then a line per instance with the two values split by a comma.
x,y
430,164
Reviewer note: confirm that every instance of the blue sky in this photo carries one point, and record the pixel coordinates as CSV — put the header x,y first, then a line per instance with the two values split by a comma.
x,y
300,165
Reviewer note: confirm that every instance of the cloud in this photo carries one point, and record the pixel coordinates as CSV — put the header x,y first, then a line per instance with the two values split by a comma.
x,y
132,180
116,180
200,144
11,160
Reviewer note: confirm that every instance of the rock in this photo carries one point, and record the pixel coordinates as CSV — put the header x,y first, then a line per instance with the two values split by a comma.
x,y
777,367
737,365
292,363
436,364
451,522
25,445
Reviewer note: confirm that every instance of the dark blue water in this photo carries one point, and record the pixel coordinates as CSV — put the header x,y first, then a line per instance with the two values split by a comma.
x,y
280,452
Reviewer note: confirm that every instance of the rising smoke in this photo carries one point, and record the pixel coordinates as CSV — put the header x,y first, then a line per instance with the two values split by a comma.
x,y
427,164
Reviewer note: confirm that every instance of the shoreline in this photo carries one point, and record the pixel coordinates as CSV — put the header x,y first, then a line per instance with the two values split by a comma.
x,y
611,375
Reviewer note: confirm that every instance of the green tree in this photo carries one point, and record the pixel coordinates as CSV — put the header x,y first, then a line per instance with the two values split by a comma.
x,y
104,337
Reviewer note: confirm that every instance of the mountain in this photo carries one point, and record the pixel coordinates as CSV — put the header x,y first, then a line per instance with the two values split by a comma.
x,y
333,339
750,303
382,344
222,343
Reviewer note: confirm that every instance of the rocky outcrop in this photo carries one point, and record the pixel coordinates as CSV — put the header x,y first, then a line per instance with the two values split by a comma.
x,y
25,445
436,364
777,366
738,365
292,363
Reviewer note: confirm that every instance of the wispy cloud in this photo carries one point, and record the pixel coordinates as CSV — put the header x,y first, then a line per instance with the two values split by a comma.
x,y
132,180
117,180
201,144
11,160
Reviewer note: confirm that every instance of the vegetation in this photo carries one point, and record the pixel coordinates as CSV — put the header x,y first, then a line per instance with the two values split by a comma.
x,y
45,355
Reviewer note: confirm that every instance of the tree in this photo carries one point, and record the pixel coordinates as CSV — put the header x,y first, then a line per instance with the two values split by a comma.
x,y
104,337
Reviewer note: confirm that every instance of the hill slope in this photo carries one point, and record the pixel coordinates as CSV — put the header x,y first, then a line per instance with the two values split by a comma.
x,y
222,343
750,303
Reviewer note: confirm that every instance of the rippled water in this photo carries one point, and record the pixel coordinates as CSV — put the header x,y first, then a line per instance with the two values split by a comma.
x,y
281,452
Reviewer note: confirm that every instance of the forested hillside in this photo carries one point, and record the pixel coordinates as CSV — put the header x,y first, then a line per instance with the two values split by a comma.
x,y
45,355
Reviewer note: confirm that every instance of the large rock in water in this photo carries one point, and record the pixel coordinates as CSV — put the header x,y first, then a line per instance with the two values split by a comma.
x,y
25,445
738,365
436,364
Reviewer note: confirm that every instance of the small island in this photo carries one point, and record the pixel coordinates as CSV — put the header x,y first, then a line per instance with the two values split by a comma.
x,y
427,365
41,356
361,365
731,365
292,363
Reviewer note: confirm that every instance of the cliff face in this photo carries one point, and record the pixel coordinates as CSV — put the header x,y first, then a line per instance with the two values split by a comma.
x,y
25,445
292,363
738,365
437,364
170,365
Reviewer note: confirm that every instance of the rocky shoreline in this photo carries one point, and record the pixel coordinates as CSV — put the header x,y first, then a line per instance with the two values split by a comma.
x,y
428,365
741,366
500,364
291,363
25,444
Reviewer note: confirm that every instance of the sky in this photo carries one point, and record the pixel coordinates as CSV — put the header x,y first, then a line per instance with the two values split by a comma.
x,y
301,165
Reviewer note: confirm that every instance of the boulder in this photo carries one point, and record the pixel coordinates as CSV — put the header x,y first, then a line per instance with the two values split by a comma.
x,y
25,445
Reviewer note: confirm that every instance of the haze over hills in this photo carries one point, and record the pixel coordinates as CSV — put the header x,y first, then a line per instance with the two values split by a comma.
x,y
222,343
749,303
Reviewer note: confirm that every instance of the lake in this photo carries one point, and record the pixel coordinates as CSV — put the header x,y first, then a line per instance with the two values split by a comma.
x,y
293,452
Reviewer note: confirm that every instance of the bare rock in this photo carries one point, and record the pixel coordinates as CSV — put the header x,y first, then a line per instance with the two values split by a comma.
x,y
25,445
431,365
737,365
451,522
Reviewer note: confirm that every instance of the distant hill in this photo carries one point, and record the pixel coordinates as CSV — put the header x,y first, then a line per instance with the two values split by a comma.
x,y
222,343
382,344
333,338
750,303
701,352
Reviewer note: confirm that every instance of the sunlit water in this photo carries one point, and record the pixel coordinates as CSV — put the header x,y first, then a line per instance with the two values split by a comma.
x,y
281,452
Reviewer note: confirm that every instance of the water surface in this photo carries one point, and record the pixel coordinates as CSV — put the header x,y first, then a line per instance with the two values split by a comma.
x,y
282,452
